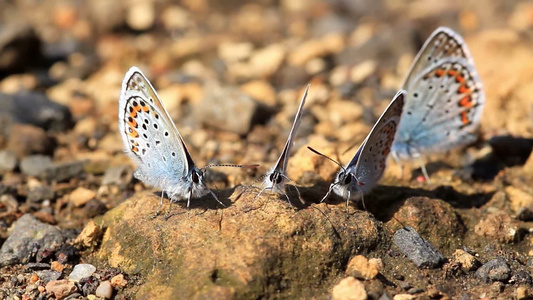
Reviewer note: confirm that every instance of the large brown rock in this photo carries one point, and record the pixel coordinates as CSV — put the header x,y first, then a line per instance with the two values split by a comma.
x,y
251,249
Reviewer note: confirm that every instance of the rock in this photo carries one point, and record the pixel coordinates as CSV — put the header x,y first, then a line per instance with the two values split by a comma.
x,y
89,236
304,247
466,260
329,44
499,227
118,175
20,43
37,266
81,271
57,266
35,165
521,277
63,171
434,219
25,140
81,195
48,275
362,268
36,109
89,285
238,115
66,254
522,293
524,214
8,161
104,290
494,270
417,249
363,70
94,208
519,198
404,297
232,52
349,289
27,232
41,193
61,288
265,62
119,281
140,15
261,90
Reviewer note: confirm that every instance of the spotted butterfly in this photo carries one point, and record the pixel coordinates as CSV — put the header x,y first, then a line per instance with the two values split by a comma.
x,y
444,100
366,168
151,139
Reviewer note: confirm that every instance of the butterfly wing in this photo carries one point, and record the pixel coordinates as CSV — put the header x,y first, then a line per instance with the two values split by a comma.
x,y
445,98
281,164
369,162
149,135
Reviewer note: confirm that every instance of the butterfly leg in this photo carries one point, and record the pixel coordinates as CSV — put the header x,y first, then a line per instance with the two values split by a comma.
x,y
216,198
329,192
363,200
297,191
170,207
348,202
160,206
286,196
262,190
423,167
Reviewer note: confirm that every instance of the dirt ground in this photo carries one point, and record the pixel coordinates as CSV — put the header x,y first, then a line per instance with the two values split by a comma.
x,y
76,224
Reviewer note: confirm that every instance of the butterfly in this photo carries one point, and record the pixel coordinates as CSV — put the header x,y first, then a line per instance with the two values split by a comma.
x,y
276,178
366,168
152,141
444,100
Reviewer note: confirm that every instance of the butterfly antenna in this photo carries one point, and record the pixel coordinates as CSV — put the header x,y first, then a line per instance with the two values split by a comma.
x,y
327,157
349,148
233,166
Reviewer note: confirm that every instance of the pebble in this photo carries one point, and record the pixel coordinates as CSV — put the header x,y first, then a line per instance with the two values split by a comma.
x,y
328,44
81,271
232,52
467,261
25,140
261,91
238,115
494,270
27,232
417,249
118,175
89,285
265,62
37,266
64,171
119,281
81,195
500,227
349,289
89,236
8,161
518,198
34,165
41,193
522,293
61,288
104,290
362,268
48,275
57,266
140,15
94,208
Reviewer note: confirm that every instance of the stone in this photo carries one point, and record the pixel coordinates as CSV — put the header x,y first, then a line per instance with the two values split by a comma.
x,y
140,15
27,232
118,281
522,292
25,140
81,271
494,270
519,198
500,227
304,244
21,44
41,193
80,196
349,289
61,288
64,171
362,268
417,249
37,110
89,285
94,208
118,175
260,90
467,261
404,297
57,266
89,236
238,115
328,44
104,290
232,52
265,62
34,165
8,161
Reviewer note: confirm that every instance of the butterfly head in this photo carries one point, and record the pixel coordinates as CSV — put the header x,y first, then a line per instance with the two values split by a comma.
x,y
345,184
197,182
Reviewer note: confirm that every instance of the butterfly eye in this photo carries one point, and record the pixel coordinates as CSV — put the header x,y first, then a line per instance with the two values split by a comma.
x,y
195,177
278,179
348,179
271,177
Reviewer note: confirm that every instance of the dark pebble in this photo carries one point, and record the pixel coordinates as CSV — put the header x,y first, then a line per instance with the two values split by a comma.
x,y
48,275
405,285
94,207
524,214
521,277
89,285
494,270
34,165
67,253
413,291
37,266
41,193
63,171
44,255
28,231
417,249
118,175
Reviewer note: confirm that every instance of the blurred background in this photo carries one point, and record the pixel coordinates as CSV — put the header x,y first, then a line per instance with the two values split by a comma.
x,y
231,74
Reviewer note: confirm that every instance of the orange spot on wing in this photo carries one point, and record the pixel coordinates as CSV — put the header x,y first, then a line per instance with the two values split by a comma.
x,y
133,133
133,123
146,109
137,108
133,114
463,89
439,72
134,149
466,102
459,79
452,72
464,118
